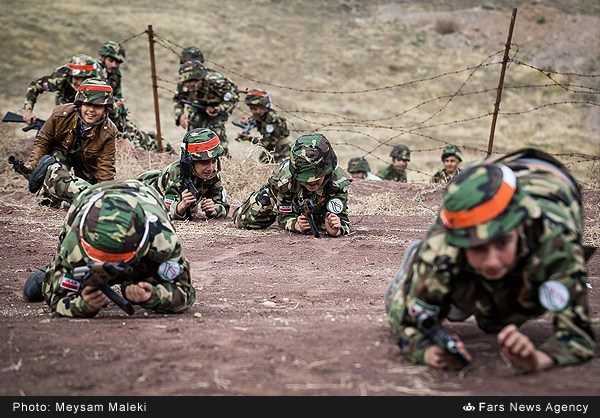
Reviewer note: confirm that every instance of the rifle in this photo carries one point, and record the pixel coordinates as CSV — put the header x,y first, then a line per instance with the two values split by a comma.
x,y
19,166
198,106
15,117
308,207
246,128
185,173
102,276
439,336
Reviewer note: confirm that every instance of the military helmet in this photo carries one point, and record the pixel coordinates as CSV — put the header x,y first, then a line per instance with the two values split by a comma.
x,y
481,204
401,151
191,53
94,91
113,227
358,165
203,144
112,49
451,150
258,98
191,70
83,66
312,158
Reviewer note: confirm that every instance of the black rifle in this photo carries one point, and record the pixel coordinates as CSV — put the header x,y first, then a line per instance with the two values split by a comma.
x,y
198,106
185,173
440,337
246,129
102,276
308,207
15,117
19,165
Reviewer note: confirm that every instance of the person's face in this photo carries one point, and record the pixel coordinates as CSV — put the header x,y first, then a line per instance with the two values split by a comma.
x,y
313,186
91,113
205,169
111,64
359,175
76,81
450,164
496,259
257,111
399,164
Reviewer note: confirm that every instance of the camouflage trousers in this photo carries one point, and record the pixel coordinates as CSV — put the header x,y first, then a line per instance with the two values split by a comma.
x,y
257,212
216,124
60,185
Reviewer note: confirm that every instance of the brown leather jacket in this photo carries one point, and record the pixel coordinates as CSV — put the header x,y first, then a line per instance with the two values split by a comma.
x,y
58,133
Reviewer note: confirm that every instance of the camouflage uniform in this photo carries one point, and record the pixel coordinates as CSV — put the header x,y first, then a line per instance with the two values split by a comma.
x,y
60,80
272,128
88,150
443,176
159,257
168,181
281,198
361,165
390,172
217,91
549,275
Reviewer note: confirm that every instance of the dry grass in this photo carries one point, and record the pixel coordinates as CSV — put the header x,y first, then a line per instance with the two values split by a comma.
x,y
325,65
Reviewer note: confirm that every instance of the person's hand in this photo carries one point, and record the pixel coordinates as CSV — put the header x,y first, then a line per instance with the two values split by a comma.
x,y
94,298
333,224
187,200
183,120
302,225
208,206
244,136
211,111
138,292
29,116
437,357
520,352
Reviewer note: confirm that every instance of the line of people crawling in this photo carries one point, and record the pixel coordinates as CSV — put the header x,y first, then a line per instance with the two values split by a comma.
x,y
505,247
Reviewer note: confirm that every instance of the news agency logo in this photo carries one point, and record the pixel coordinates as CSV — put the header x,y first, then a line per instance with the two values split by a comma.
x,y
468,407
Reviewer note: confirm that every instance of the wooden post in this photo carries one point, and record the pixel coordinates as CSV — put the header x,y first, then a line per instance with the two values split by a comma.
x,y
154,88
501,82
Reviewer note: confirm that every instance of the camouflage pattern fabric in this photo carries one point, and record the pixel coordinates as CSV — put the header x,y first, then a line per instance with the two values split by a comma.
x,y
443,177
312,157
358,165
114,80
391,173
451,150
274,137
167,183
400,151
138,138
551,261
160,261
218,91
59,82
281,198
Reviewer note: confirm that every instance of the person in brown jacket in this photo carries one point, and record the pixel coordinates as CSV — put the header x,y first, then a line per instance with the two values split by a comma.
x,y
78,135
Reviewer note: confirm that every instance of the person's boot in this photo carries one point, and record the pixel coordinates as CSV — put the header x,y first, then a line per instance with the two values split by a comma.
x,y
36,178
32,291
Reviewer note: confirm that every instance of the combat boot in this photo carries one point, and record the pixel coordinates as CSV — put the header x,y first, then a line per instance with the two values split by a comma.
x,y
32,291
36,178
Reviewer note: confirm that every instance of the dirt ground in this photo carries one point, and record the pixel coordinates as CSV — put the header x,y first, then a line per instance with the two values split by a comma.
x,y
276,314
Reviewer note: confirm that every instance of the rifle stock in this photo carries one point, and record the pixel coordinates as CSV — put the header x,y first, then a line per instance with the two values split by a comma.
x,y
15,117
19,165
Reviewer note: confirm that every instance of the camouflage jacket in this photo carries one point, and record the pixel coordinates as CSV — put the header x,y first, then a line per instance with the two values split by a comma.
x,y
288,195
114,79
390,173
551,267
443,177
273,129
95,152
217,90
168,184
172,294
58,82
